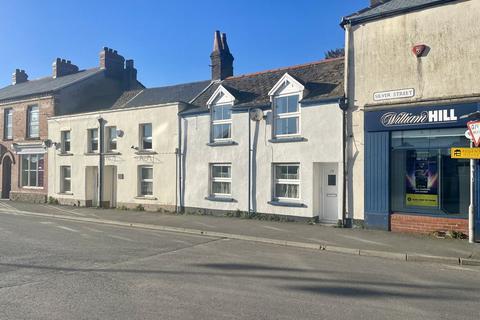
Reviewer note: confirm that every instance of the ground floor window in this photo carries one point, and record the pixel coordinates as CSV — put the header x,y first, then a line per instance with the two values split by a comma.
x,y
286,182
424,178
32,169
221,180
145,180
65,176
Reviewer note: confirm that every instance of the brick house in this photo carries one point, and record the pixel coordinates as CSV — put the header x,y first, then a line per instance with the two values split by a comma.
x,y
25,106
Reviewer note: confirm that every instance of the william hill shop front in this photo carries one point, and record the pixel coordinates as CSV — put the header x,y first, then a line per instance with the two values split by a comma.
x,y
411,182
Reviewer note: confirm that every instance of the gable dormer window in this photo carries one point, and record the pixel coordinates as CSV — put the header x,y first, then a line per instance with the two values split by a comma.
x,y
221,122
287,115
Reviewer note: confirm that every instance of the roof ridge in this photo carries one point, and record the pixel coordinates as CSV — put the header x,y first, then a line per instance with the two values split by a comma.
x,y
50,77
286,68
178,84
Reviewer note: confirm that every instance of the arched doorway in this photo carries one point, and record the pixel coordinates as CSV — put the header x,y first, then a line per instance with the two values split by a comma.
x,y
6,177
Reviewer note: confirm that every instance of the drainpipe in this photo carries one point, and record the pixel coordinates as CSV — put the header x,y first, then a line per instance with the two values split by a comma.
x,y
101,162
344,106
471,207
178,171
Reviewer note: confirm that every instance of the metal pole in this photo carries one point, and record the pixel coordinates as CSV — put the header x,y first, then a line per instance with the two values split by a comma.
x,y
472,198
249,160
101,162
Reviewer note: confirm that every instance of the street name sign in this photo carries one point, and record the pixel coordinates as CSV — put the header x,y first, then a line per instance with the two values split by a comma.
x,y
465,153
474,128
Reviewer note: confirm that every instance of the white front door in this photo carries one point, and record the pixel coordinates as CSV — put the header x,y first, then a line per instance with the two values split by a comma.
x,y
329,197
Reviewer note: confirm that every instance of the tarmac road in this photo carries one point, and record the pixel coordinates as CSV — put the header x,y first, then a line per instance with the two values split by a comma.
x,y
55,269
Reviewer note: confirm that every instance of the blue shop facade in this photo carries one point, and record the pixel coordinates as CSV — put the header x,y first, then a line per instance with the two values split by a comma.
x,y
408,168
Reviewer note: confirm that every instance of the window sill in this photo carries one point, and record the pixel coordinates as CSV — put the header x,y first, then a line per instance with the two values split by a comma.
x,y
112,153
32,188
65,193
222,143
287,204
91,153
146,198
65,154
7,139
220,199
32,138
288,139
145,152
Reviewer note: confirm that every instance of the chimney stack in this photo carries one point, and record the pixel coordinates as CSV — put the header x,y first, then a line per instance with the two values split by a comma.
x,y
19,76
222,59
62,67
112,62
130,75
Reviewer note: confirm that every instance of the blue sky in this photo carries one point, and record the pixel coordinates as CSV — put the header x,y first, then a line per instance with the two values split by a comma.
x,y
170,41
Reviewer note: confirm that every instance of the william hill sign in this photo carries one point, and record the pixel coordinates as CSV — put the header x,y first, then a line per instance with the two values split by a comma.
x,y
418,117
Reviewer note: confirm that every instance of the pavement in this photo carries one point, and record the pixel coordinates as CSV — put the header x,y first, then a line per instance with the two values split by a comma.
x,y
407,247
54,268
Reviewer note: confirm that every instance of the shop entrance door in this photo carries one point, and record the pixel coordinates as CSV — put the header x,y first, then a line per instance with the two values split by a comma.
x,y
329,193
91,186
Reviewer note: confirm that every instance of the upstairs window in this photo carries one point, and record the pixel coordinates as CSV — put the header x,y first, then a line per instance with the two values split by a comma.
x,y
33,122
111,139
222,122
92,140
146,136
8,124
287,116
65,141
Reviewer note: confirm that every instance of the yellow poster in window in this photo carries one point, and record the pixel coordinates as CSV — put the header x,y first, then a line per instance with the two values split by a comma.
x,y
422,200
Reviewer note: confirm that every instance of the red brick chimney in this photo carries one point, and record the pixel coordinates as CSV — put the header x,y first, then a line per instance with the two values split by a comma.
x,y
62,67
112,62
222,59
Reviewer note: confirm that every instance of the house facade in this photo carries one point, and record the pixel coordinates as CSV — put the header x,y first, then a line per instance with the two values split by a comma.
x,y
125,156
411,80
265,143
26,104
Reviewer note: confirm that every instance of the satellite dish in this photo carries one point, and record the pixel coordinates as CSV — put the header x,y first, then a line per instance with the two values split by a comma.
x,y
256,114
120,133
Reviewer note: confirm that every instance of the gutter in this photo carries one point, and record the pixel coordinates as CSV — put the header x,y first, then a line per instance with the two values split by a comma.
x,y
345,20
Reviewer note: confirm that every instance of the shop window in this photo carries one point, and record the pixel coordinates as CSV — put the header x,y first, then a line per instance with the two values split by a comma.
x,y
32,170
424,178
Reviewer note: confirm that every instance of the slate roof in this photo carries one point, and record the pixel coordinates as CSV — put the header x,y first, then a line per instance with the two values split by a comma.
x,y
389,8
184,92
44,85
322,80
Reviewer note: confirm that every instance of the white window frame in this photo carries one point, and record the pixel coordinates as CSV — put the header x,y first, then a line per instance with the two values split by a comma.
x,y
63,178
109,139
91,140
286,181
142,137
286,115
63,140
221,122
140,180
220,179
8,124
22,169
31,124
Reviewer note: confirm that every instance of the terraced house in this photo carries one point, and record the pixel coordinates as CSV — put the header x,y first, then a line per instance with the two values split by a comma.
x,y
26,105
268,142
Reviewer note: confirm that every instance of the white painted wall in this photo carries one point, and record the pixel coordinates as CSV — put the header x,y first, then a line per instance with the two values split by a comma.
x,y
165,140
320,125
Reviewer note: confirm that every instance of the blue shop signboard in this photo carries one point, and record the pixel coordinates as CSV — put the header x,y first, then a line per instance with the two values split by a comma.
x,y
419,117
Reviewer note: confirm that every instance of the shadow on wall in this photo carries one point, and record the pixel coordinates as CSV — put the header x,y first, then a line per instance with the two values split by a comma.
x,y
254,166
